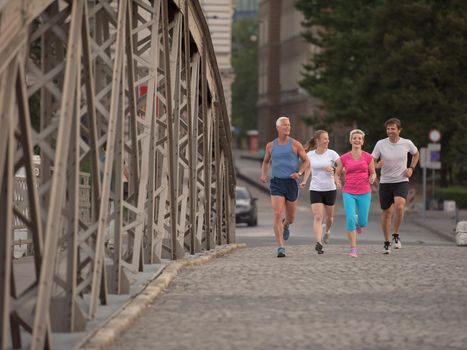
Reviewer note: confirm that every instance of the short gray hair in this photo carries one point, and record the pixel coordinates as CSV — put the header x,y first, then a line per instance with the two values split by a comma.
x,y
280,119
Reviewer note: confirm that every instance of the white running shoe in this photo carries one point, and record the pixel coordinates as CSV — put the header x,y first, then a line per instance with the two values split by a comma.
x,y
397,242
319,248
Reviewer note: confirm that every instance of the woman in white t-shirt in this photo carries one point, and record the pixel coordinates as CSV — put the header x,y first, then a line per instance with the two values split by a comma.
x,y
322,186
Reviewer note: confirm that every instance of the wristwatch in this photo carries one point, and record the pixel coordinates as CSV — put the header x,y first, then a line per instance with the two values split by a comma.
x,y
300,174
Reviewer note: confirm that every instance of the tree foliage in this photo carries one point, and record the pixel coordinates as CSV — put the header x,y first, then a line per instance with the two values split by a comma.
x,y
245,65
381,59
341,30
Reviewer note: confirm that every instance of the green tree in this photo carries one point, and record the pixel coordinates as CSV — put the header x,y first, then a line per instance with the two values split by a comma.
x,y
418,72
341,30
245,65
381,59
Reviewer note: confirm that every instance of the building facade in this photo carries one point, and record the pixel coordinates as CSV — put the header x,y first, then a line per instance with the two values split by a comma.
x,y
219,15
246,8
282,53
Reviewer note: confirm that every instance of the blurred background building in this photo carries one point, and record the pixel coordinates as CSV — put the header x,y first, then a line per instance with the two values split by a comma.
x,y
282,53
246,8
219,15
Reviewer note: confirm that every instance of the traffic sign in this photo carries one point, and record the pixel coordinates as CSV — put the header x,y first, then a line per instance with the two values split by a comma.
x,y
434,156
434,135
430,157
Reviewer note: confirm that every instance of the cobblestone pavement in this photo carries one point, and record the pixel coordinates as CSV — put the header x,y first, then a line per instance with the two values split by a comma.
x,y
415,298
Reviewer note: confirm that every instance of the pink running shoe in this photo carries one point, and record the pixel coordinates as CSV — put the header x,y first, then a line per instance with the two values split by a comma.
x,y
353,252
359,229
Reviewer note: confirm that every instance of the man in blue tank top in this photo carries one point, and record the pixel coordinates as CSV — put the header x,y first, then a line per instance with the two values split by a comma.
x,y
283,156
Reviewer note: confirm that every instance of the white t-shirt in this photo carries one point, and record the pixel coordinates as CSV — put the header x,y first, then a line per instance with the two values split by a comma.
x,y
322,180
394,156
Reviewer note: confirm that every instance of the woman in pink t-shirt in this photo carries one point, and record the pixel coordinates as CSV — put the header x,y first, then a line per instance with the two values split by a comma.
x,y
359,174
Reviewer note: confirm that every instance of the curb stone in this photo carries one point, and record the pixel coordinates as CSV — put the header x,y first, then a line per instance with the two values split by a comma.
x,y
120,321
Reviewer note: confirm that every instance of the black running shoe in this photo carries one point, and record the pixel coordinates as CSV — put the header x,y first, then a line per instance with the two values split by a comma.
x,y
319,248
397,241
387,247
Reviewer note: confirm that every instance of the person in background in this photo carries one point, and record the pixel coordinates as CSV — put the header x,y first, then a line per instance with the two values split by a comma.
x,y
261,153
322,186
283,155
360,172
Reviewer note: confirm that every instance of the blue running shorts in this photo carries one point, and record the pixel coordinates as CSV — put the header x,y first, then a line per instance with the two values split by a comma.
x,y
287,188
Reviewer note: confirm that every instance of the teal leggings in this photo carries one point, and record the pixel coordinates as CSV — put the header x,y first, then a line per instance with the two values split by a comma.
x,y
352,202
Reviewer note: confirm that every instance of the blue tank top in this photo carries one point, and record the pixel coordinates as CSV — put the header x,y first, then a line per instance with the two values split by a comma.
x,y
284,160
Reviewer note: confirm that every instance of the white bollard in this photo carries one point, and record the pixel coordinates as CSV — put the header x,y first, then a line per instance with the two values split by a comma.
x,y
461,233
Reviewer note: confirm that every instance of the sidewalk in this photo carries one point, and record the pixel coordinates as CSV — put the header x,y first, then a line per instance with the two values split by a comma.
x,y
438,221
121,310
248,167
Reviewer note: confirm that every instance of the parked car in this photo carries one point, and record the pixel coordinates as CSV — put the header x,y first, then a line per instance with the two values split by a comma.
x,y
246,210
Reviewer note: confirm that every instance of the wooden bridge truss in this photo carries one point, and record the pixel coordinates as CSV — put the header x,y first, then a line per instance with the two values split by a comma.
x,y
127,91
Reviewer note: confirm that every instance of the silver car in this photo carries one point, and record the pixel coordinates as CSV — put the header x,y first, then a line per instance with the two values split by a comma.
x,y
246,210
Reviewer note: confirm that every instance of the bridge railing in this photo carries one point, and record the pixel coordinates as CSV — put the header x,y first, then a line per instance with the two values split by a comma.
x,y
129,92
22,241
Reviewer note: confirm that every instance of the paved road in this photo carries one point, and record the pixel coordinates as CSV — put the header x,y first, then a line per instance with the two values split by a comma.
x,y
415,298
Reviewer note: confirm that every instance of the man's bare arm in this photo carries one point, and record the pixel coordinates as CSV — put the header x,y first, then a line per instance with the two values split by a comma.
x,y
410,170
305,161
266,163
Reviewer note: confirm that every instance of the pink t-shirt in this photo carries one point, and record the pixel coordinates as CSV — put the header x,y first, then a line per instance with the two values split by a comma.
x,y
356,173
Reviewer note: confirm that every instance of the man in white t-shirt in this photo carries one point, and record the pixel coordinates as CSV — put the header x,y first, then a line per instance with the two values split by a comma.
x,y
394,182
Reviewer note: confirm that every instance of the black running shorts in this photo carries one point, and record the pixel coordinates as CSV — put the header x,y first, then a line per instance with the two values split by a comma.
x,y
388,191
326,197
